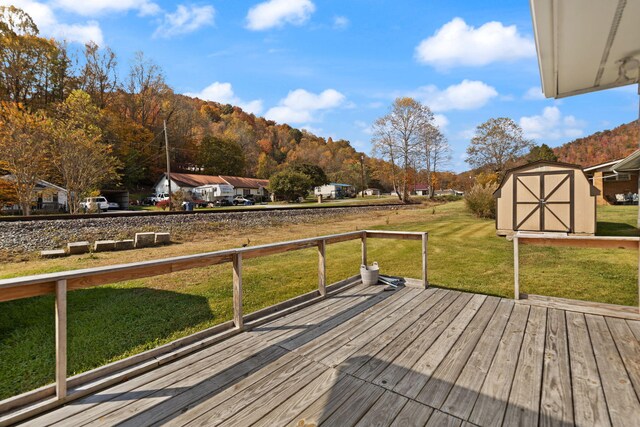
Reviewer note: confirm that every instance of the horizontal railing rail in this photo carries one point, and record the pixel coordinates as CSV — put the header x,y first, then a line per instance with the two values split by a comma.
x,y
62,282
562,240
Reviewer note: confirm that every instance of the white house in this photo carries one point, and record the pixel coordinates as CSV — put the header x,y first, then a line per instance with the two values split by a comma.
x,y
247,186
210,187
46,197
334,191
186,181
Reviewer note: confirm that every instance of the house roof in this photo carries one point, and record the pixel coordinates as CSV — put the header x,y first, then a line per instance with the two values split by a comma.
x,y
604,167
193,180
629,163
420,187
40,184
340,185
582,47
239,182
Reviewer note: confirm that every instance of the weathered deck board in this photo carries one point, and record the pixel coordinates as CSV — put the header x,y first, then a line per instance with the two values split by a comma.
x,y
437,388
629,349
418,374
556,405
590,407
425,331
624,408
359,358
491,404
413,414
467,387
524,399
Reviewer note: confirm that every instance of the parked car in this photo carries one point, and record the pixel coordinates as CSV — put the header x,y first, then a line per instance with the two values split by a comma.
x,y
242,200
153,199
92,204
114,205
222,202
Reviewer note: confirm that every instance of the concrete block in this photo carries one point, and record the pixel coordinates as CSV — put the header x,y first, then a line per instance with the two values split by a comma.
x,y
163,238
145,239
54,253
76,248
122,245
104,245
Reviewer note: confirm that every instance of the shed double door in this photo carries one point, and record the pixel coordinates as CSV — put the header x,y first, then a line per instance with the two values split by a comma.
x,y
543,201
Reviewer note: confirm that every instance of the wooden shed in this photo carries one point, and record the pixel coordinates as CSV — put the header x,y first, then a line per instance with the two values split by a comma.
x,y
546,196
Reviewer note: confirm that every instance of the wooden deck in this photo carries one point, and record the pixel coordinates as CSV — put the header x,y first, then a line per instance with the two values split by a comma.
x,y
412,357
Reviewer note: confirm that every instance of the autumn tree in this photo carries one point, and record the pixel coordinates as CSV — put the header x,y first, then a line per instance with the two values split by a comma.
x,y
219,156
289,184
542,152
397,138
34,71
82,161
23,151
496,143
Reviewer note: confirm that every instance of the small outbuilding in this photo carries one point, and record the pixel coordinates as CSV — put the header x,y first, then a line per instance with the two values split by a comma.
x,y
546,196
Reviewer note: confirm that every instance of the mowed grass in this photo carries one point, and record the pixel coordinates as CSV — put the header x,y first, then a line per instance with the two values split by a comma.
x,y
112,322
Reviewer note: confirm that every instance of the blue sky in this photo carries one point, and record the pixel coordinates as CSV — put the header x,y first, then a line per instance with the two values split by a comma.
x,y
333,67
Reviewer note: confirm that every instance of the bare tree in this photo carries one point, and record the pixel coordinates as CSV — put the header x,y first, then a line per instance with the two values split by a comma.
x,y
23,151
436,154
146,89
496,143
98,77
398,136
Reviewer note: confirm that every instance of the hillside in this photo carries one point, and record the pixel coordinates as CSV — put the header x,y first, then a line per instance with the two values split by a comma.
x,y
601,146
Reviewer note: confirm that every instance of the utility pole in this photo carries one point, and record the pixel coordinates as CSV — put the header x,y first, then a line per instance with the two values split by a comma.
x,y
166,146
362,172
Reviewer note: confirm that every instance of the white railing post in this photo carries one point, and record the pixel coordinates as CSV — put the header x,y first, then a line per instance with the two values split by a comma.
x,y
61,338
237,291
516,268
364,248
425,278
322,268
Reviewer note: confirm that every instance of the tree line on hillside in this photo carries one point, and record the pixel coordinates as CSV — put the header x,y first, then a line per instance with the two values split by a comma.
x,y
122,117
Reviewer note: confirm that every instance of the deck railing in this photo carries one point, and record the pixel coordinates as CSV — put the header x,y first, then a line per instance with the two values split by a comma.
x,y
561,240
61,283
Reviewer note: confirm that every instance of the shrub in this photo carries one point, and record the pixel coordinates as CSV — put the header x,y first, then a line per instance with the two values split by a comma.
x,y
480,200
289,184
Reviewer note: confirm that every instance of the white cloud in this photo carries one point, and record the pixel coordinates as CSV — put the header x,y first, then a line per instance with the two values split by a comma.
x,y
364,127
457,43
96,7
551,125
534,94
301,106
311,129
186,19
277,13
223,94
441,121
47,22
340,22
467,95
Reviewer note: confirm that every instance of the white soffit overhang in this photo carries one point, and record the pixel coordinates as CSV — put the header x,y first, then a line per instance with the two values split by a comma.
x,y
580,43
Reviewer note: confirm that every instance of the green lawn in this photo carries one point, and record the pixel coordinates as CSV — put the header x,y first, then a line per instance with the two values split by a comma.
x,y
111,322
